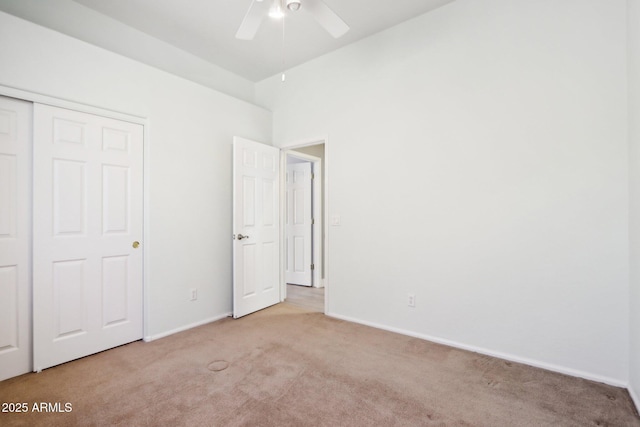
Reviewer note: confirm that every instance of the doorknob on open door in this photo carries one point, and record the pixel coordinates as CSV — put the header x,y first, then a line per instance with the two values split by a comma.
x,y
241,236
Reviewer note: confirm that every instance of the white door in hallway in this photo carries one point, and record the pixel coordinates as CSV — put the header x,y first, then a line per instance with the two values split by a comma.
x,y
256,226
87,225
298,224
15,237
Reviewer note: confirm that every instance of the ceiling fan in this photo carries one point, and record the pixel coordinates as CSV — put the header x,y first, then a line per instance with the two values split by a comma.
x,y
326,17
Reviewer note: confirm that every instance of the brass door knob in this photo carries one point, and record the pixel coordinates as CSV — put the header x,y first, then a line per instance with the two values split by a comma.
x,y
135,244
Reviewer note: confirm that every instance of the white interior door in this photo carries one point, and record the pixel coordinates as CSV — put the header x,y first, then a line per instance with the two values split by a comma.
x,y
88,201
256,224
299,224
15,238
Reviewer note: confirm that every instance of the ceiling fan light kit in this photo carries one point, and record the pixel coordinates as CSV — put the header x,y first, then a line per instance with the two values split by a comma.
x,y
276,10
322,13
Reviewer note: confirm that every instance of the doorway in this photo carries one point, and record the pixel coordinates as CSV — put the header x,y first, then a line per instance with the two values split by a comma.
x,y
259,205
304,203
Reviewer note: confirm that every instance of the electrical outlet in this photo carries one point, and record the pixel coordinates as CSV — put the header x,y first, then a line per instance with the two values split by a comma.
x,y
411,300
194,294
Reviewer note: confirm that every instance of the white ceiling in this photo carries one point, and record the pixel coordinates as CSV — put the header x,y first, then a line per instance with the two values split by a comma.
x,y
206,28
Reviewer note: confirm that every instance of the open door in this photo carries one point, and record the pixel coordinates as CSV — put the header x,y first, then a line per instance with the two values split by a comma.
x,y
298,224
256,226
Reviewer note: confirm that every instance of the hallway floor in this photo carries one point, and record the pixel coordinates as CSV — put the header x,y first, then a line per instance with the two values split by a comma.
x,y
306,297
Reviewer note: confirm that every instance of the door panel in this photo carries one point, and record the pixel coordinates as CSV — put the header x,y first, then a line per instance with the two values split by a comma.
x,y
15,238
69,202
255,218
8,194
9,308
299,224
88,203
115,280
115,184
68,298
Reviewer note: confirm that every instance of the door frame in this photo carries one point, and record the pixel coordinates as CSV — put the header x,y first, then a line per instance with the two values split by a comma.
x,y
321,206
34,97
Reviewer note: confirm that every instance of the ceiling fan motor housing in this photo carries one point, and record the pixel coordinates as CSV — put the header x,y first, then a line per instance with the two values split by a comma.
x,y
293,4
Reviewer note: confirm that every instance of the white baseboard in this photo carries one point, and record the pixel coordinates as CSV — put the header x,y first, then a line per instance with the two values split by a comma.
x,y
154,337
505,356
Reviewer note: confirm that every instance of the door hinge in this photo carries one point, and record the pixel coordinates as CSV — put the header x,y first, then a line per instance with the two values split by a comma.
x,y
313,266
313,175
313,221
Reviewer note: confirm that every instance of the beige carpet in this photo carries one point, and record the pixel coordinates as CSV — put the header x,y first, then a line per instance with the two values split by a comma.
x,y
287,367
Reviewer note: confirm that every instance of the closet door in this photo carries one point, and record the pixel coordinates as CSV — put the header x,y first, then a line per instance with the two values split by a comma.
x,y
87,252
15,237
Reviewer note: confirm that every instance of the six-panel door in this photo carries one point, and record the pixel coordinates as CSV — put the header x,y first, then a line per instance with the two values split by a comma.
x,y
88,211
15,238
256,224
298,224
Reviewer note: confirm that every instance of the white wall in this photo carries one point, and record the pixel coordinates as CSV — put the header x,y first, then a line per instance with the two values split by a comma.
x,y
104,31
191,129
479,160
634,162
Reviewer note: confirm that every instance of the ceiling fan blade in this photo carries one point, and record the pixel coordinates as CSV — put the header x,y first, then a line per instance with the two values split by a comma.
x,y
326,17
252,19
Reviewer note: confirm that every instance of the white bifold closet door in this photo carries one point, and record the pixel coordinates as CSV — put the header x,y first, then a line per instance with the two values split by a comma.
x,y
87,225
15,237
